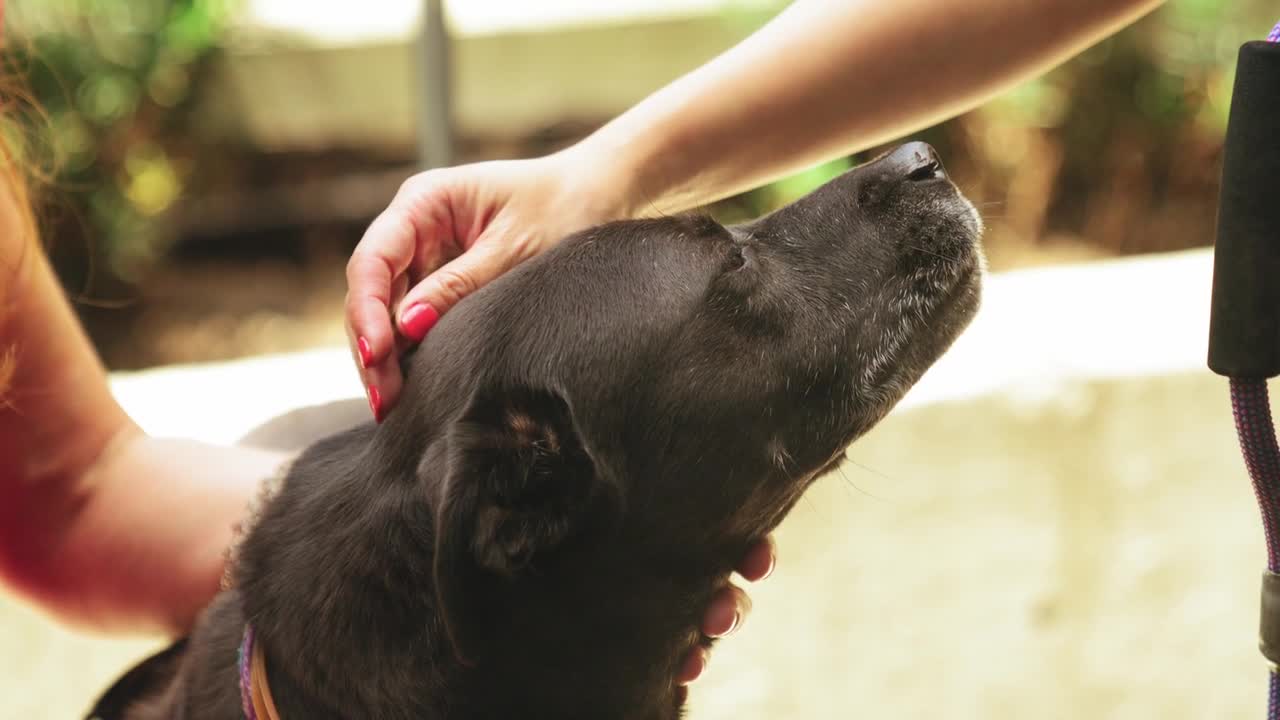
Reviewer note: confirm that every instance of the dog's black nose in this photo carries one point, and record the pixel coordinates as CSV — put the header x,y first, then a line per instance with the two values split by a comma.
x,y
917,161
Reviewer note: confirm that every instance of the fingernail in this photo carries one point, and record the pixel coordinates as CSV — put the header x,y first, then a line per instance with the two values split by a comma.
x,y
714,632
375,403
773,561
366,355
417,320
737,618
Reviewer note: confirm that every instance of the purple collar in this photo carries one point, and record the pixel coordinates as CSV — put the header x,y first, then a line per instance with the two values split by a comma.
x,y
244,661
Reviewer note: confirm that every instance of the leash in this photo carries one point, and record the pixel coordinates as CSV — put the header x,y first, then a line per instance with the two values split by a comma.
x,y
1244,324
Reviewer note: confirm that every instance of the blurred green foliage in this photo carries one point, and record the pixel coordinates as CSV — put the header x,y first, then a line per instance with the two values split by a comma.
x,y
112,82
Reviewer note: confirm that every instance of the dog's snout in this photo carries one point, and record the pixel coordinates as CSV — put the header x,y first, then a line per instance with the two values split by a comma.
x,y
917,162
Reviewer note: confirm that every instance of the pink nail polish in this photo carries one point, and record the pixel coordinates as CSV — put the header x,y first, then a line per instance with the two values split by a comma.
x,y
375,403
366,354
418,320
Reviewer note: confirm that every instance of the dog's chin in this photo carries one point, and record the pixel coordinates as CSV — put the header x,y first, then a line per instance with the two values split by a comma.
x,y
964,227
937,294
950,300
951,255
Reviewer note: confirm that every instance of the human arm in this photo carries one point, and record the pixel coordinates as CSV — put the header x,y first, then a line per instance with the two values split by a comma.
x,y
101,524
823,79
827,78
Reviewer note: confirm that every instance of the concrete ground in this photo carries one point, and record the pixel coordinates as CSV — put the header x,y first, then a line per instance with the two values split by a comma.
x,y
1054,524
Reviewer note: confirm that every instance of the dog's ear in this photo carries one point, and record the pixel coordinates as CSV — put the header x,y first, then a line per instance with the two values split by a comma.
x,y
520,486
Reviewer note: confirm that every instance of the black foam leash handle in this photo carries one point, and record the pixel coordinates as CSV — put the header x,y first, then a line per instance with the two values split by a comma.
x,y
1244,324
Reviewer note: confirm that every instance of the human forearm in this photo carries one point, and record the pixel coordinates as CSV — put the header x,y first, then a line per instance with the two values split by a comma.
x,y
99,523
56,413
827,78
142,548
146,551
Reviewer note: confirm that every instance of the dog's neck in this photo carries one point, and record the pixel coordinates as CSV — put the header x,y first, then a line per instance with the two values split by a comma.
x,y
335,578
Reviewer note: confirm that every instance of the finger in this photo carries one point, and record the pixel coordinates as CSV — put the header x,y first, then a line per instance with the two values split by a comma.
x,y
369,330
382,255
694,663
399,287
383,383
729,607
425,302
359,352
759,561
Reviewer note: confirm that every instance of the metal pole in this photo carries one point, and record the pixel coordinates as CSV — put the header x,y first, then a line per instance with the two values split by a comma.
x,y
435,108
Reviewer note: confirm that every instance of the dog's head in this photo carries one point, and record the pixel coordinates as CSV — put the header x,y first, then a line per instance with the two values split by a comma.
x,y
676,381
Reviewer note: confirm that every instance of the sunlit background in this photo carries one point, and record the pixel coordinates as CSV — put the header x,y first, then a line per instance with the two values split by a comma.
x,y
1054,525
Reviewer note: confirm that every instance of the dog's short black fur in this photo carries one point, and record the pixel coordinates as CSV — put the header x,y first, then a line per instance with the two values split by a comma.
x,y
583,450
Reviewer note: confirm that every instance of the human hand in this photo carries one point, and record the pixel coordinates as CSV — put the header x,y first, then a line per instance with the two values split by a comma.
x,y
728,608
447,233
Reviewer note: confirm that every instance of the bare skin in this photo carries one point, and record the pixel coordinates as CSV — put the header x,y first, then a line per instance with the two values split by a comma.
x,y
102,524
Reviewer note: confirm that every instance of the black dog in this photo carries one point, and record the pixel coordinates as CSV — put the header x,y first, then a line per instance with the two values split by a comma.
x,y
584,449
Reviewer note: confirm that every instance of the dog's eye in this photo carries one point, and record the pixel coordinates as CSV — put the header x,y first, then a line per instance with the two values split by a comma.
x,y
737,258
